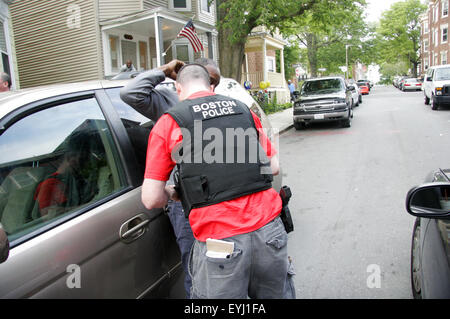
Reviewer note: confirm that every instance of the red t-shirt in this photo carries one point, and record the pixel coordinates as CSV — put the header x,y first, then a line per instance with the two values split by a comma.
x,y
238,216
50,192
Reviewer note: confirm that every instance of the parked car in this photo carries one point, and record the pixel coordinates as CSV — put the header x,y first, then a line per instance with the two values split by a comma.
x,y
430,248
367,82
364,88
71,170
321,100
436,86
356,92
411,84
396,81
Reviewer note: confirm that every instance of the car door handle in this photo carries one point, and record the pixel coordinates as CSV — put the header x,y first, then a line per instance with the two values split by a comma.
x,y
134,228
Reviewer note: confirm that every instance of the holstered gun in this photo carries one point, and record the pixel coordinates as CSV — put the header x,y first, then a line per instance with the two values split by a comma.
x,y
286,218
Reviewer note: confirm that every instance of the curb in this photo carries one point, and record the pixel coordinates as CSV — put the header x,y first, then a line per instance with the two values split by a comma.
x,y
285,129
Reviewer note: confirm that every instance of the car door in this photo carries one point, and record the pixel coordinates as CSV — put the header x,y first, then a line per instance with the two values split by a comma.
x,y
71,209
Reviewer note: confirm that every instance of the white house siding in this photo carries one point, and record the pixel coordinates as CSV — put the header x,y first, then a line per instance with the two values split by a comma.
x,y
150,4
54,44
115,8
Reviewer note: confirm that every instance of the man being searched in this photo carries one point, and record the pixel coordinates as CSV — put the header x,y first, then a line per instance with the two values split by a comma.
x,y
240,249
146,96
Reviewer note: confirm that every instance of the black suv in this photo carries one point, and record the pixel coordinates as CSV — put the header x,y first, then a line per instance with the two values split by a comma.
x,y
323,99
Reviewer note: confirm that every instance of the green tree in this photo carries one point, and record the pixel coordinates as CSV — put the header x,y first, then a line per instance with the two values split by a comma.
x,y
237,18
326,30
398,35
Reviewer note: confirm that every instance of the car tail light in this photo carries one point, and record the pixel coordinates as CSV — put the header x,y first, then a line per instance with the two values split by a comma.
x,y
407,84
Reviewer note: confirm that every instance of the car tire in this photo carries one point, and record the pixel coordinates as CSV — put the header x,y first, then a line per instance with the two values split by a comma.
x,y
299,126
427,100
360,99
434,105
416,272
347,122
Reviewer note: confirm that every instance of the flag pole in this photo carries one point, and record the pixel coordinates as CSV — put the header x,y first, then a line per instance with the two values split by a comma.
x,y
165,52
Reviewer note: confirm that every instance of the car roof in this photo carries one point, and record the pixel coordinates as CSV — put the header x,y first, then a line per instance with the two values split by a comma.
x,y
9,101
325,78
440,66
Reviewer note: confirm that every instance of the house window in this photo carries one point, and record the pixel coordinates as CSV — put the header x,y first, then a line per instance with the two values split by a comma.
x,y
425,27
445,8
425,45
118,49
129,52
180,5
444,33
114,49
271,66
182,50
205,6
436,37
4,51
444,57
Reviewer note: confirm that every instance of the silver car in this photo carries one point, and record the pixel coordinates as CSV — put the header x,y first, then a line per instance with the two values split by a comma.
x,y
71,170
411,84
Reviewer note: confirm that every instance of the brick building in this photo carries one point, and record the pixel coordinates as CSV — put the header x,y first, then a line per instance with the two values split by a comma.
x,y
434,49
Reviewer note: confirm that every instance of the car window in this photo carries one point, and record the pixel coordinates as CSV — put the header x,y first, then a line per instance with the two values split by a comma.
x,y
137,126
442,74
322,86
54,162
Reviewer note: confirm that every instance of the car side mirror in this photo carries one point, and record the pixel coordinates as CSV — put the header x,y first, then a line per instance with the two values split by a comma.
x,y
429,200
4,245
296,94
428,78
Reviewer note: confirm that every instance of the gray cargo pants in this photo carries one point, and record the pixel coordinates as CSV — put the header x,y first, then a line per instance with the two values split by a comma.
x,y
258,268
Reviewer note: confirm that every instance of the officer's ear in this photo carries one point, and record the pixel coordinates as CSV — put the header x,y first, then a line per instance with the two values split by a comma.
x,y
178,88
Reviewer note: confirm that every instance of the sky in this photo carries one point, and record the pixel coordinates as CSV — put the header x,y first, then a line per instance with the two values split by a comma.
x,y
376,7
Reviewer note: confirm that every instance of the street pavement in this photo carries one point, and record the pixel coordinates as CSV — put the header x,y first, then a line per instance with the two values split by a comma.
x,y
352,236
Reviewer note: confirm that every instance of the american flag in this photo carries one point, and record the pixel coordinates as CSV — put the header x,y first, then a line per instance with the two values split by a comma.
x,y
189,32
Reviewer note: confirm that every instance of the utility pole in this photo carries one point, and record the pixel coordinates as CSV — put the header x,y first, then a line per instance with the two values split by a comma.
x,y
346,60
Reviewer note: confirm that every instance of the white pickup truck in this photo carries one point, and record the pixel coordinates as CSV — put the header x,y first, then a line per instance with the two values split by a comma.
x,y
436,86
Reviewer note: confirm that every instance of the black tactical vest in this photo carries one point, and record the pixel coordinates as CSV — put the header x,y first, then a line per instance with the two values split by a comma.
x,y
220,158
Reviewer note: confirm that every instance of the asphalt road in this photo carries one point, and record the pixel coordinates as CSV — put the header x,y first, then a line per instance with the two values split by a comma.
x,y
352,235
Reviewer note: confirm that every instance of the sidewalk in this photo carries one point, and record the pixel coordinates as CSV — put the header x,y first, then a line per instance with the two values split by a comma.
x,y
282,121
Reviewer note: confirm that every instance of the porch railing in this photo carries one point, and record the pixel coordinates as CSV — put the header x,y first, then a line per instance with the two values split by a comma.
x,y
275,79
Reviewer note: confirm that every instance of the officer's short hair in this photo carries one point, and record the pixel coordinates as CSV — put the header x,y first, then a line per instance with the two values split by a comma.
x,y
193,73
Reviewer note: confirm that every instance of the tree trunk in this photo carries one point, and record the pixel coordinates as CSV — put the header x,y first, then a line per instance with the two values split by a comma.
x,y
231,56
311,45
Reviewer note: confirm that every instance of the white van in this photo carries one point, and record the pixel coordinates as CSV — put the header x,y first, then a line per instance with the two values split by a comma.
x,y
436,86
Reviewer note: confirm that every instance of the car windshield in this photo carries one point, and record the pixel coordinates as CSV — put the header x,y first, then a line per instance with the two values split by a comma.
x,y
322,86
443,74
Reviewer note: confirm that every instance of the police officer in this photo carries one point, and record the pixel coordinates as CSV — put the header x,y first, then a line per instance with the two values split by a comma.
x,y
228,198
146,96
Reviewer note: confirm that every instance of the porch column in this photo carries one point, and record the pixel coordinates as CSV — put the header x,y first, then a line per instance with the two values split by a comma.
x,y
246,67
159,41
282,66
210,45
264,60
